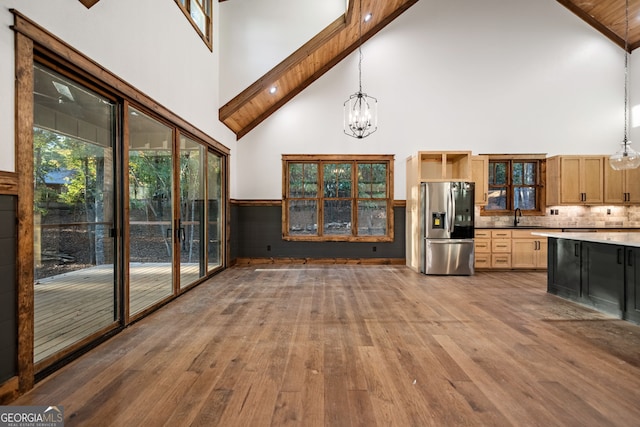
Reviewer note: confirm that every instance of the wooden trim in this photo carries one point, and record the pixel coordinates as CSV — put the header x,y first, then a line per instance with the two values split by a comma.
x,y
24,169
274,202
9,390
349,261
45,42
8,183
89,3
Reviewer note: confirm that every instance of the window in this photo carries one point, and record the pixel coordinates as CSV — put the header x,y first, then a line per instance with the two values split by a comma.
x,y
337,198
516,182
199,13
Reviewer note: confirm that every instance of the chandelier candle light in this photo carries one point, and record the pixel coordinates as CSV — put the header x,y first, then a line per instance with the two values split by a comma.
x,y
360,110
626,157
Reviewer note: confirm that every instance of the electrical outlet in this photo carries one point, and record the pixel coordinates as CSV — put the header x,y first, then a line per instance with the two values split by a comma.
x,y
268,248
375,248
608,211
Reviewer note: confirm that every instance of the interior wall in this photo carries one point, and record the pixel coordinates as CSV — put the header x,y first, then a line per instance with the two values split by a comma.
x,y
256,35
149,44
497,76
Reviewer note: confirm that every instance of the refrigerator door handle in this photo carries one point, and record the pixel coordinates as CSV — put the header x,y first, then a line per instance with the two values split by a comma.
x,y
452,209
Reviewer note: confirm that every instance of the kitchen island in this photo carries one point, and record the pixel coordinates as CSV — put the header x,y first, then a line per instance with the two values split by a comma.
x,y
601,270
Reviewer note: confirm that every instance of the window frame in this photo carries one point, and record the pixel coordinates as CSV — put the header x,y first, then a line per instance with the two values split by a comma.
x,y
540,185
185,7
320,161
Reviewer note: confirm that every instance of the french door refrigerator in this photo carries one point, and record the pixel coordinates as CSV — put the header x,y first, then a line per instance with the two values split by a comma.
x,y
446,224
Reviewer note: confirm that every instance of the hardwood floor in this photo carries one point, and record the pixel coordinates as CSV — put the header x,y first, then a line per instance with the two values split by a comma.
x,y
358,346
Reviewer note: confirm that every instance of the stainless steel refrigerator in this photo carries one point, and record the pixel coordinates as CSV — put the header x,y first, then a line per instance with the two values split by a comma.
x,y
446,224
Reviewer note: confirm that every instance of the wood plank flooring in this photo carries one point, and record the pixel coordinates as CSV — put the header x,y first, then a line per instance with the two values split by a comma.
x,y
71,306
358,346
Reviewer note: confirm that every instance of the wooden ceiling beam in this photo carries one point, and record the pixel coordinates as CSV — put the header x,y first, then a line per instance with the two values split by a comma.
x,y
254,104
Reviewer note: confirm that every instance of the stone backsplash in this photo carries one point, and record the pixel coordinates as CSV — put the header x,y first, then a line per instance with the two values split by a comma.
x,y
571,217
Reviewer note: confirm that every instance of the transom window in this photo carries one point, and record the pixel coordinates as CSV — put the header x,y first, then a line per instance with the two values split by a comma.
x,y
515,182
199,13
337,198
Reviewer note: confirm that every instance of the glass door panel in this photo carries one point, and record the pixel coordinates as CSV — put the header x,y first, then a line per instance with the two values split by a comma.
x,y
192,225
214,212
75,288
150,211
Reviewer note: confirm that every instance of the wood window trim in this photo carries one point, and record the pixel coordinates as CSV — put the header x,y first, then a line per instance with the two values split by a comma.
x,y
206,38
541,194
322,159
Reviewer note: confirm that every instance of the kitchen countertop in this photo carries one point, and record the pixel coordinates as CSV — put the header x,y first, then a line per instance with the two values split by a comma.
x,y
619,238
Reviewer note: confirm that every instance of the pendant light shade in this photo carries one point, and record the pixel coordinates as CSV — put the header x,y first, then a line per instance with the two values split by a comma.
x,y
360,110
626,157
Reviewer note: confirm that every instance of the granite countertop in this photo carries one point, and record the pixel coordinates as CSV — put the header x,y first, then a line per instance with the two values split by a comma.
x,y
620,238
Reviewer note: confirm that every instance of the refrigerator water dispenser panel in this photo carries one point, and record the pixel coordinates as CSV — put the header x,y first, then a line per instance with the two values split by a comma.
x,y
438,219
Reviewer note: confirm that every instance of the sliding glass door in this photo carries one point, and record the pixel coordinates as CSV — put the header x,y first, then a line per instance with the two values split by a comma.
x,y
150,213
75,286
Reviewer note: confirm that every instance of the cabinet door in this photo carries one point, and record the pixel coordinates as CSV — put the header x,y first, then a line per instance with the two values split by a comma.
x,y
480,175
564,268
614,185
603,277
570,190
632,284
592,179
542,254
632,185
523,253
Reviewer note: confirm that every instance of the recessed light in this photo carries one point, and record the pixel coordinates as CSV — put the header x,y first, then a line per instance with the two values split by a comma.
x,y
273,90
368,17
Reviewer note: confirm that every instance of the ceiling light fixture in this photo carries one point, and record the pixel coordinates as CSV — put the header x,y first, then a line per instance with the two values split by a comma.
x,y
360,110
273,89
626,157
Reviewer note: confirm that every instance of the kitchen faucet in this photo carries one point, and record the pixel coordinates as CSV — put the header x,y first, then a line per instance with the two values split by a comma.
x,y
515,216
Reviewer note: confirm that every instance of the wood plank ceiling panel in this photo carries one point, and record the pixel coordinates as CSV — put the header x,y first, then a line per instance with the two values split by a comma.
x,y
608,17
305,65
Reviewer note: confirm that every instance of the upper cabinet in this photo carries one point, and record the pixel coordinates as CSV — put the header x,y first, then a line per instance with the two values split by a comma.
x,y
443,165
575,180
480,175
621,187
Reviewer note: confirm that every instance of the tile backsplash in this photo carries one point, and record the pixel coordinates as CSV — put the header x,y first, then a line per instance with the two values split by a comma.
x,y
570,217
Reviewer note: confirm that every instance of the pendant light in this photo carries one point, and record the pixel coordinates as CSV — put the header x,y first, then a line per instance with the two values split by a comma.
x,y
626,157
360,110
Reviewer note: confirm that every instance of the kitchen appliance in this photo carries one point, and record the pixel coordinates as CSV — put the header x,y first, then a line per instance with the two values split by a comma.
x,y
446,225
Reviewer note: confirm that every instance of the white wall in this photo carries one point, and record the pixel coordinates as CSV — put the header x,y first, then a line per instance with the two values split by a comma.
x,y
148,43
256,35
497,76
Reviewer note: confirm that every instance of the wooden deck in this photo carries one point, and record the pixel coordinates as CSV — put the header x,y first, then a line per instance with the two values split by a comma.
x,y
71,306
358,346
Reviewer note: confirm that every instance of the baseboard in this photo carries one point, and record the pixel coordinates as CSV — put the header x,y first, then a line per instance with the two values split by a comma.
x,y
9,390
346,261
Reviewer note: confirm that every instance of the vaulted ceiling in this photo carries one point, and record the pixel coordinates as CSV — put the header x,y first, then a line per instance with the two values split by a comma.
x,y
254,104
608,17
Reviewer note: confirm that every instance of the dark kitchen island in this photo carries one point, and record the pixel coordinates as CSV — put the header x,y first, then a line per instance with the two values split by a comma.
x,y
601,270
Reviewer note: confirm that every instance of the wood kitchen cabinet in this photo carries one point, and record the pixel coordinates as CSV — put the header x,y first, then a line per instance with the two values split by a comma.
x,y
527,250
621,187
480,175
575,180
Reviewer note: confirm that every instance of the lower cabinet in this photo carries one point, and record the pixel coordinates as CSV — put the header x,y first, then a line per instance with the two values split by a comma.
x,y
564,268
632,284
603,276
603,284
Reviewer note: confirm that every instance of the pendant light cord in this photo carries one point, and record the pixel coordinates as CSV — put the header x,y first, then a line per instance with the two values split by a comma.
x,y
626,75
360,49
